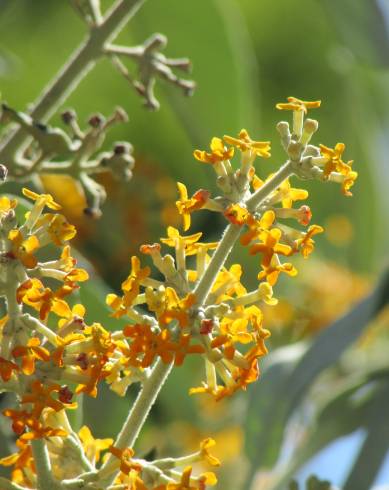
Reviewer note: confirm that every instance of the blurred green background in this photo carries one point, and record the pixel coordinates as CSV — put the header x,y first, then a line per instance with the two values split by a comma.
x,y
247,56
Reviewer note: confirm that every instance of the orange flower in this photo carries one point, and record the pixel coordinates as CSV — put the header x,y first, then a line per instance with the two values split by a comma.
x,y
257,226
186,206
219,152
176,308
33,293
306,243
40,397
30,353
125,455
130,287
20,419
271,272
270,245
146,345
236,214
7,368
183,348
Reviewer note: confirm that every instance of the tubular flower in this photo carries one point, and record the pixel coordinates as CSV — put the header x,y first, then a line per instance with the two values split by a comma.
x,y
7,368
186,206
295,104
305,243
23,249
219,152
176,308
246,144
33,293
236,214
256,227
41,397
270,245
273,270
29,354
204,311
42,199
334,162
125,458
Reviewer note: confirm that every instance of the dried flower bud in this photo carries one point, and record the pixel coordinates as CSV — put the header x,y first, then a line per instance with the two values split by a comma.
x,y
68,116
96,121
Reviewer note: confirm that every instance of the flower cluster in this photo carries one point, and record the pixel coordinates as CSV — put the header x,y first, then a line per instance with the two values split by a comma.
x,y
49,354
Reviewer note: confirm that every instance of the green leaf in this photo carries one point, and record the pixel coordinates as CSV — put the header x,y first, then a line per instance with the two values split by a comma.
x,y
375,447
328,346
267,406
285,383
359,404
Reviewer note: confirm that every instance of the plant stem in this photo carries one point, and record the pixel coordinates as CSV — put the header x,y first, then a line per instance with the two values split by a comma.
x,y
283,173
140,410
152,386
232,233
223,250
75,69
43,466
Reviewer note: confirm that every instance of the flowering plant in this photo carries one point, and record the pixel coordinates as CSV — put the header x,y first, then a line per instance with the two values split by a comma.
x,y
193,305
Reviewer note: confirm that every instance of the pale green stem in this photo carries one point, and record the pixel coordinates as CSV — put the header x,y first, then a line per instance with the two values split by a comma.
x,y
268,187
160,372
219,257
43,466
139,412
75,69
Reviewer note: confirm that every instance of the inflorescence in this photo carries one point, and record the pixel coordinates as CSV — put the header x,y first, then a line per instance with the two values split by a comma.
x,y
49,354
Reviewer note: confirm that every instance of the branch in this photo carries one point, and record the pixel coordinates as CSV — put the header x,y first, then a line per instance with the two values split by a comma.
x,y
77,67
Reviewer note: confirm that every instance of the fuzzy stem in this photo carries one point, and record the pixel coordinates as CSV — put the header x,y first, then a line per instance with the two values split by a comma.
x,y
139,412
43,466
75,69
223,250
160,372
271,185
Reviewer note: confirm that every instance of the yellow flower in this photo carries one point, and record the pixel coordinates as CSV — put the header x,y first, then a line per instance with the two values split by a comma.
x,y
41,199
60,230
295,104
219,152
23,249
286,194
271,272
6,204
205,445
270,245
186,206
334,162
245,143
176,240
92,446
348,181
306,243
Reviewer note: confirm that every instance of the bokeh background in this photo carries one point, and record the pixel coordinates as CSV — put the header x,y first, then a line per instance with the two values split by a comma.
x,y
247,55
